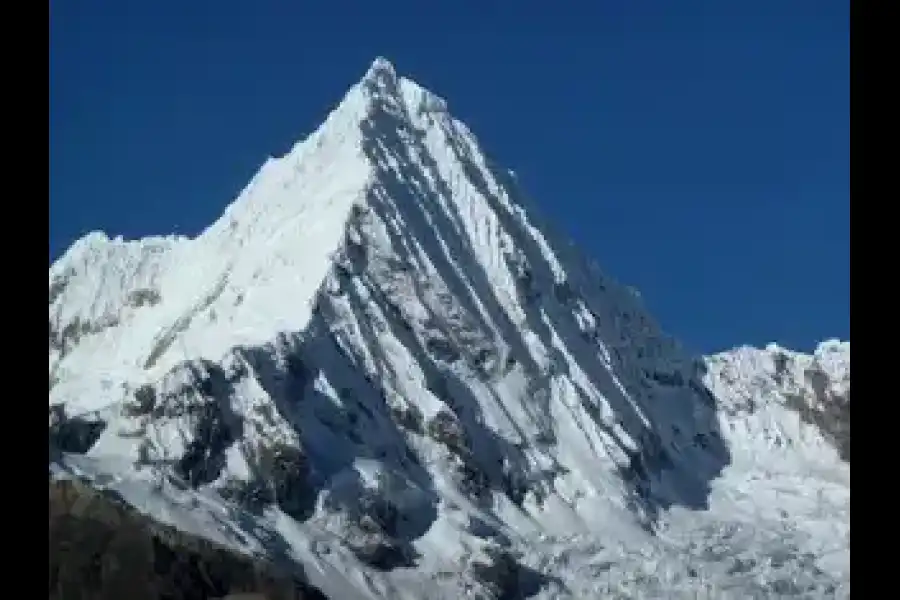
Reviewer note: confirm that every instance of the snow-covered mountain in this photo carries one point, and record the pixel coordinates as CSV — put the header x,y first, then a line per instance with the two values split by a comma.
x,y
782,399
380,364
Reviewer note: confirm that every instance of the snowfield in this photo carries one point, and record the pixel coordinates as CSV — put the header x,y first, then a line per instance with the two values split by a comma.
x,y
379,364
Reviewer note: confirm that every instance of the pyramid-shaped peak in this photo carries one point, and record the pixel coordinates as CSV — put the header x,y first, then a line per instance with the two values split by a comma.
x,y
381,69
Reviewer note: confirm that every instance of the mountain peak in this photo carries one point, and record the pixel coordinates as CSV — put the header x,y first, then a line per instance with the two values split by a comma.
x,y
380,68
379,340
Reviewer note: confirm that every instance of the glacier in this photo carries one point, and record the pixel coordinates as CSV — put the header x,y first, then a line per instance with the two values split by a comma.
x,y
382,366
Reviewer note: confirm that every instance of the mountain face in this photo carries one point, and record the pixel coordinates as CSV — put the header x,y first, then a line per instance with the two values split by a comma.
x,y
380,367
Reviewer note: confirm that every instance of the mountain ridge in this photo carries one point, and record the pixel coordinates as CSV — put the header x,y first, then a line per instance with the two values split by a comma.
x,y
378,350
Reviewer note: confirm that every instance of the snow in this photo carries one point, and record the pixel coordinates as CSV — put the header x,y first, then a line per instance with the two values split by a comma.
x,y
383,300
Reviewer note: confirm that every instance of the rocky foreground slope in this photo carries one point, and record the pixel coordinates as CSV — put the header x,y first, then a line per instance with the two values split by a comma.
x,y
101,548
380,366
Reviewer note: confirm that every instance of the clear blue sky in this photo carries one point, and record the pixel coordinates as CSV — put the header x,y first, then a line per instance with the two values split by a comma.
x,y
699,150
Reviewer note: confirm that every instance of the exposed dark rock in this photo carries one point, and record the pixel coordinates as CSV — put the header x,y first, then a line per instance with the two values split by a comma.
x,y
74,435
142,402
54,338
482,359
355,252
446,428
830,413
383,515
525,285
57,287
281,476
143,297
409,417
254,496
473,481
383,553
442,349
504,577
288,472
377,532
515,486
781,361
204,457
100,548
819,381
57,414
206,398
63,341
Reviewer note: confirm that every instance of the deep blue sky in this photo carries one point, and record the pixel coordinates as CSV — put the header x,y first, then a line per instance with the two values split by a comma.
x,y
699,150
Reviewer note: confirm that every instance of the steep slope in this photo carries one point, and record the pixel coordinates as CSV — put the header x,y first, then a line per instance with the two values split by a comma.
x,y
380,356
